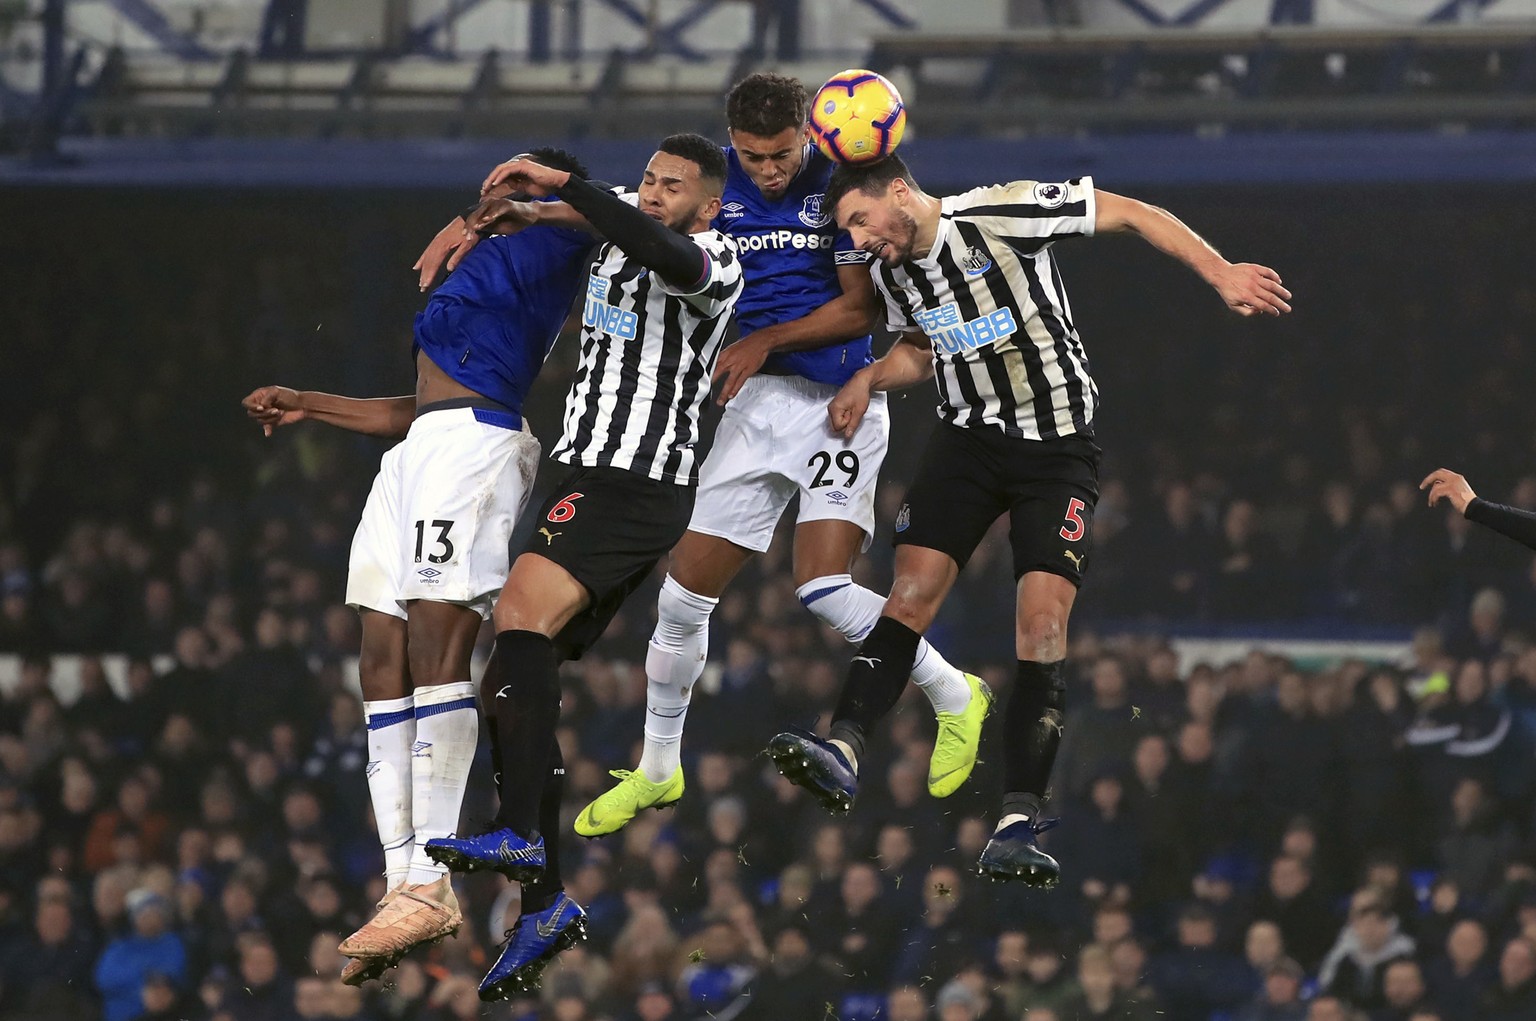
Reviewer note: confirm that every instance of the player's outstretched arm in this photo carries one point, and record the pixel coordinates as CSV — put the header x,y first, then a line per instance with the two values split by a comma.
x,y
1247,288
1512,522
908,362
275,406
849,315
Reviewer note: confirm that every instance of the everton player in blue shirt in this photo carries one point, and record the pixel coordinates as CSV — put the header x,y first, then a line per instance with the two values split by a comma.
x,y
804,316
431,552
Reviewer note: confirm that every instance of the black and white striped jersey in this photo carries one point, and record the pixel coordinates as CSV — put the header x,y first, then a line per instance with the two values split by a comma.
x,y
990,300
647,354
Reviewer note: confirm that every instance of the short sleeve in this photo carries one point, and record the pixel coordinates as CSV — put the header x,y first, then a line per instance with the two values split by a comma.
x,y
1035,210
720,283
846,253
898,315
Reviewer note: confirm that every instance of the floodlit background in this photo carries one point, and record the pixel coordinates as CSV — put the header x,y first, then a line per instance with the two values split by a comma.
x,y
197,198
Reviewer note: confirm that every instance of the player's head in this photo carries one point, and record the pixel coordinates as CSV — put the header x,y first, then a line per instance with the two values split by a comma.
x,y
876,204
682,183
557,159
765,117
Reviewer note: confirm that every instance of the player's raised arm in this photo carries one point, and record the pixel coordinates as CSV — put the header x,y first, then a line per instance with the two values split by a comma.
x,y
1247,288
385,417
907,363
850,315
1511,522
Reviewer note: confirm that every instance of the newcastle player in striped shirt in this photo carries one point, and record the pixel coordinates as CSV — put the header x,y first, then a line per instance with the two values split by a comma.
x,y
658,302
972,289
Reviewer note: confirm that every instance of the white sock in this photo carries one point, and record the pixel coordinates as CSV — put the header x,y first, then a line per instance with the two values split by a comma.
x,y
852,610
847,750
391,732
1009,820
447,728
673,663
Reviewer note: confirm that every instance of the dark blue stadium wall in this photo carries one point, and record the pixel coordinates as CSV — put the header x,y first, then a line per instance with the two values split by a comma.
x,y
1264,158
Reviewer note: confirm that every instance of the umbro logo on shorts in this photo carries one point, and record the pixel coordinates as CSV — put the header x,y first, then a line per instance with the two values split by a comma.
x,y
430,573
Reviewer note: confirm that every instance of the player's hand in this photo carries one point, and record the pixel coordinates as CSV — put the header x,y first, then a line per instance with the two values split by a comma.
x,y
847,409
502,216
527,176
737,364
274,406
452,243
1444,484
1251,290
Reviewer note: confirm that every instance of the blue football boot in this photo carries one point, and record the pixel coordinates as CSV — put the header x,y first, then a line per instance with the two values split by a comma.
x,y
1013,854
503,851
532,942
818,766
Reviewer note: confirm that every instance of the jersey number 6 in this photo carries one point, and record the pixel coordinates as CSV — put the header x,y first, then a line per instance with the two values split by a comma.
x,y
563,511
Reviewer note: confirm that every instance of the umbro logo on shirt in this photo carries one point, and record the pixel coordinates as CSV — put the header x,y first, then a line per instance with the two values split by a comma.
x,y
733,210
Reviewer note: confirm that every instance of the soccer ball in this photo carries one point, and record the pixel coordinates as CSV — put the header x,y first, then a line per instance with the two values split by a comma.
x,y
857,117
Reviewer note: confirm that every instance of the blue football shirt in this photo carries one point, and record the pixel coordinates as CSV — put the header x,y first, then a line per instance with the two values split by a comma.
x,y
790,251
491,324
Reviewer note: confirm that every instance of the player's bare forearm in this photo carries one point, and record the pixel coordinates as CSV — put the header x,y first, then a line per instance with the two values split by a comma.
x,y
907,363
1160,228
846,317
385,417
1247,288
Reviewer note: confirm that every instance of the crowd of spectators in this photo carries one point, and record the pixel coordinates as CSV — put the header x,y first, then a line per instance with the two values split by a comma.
x,y
1257,841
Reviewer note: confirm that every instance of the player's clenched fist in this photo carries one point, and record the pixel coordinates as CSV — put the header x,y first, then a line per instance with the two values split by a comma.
x,y
1250,289
1444,484
272,406
847,409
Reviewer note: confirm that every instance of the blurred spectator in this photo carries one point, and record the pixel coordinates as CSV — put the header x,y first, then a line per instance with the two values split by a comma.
x,y
1293,902
1513,996
1458,979
1279,998
151,948
1196,978
1355,969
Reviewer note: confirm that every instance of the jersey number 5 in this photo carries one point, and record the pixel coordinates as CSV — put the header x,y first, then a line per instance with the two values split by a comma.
x,y
1074,527
443,527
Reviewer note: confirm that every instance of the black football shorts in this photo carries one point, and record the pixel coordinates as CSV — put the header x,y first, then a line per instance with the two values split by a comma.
x,y
608,528
969,477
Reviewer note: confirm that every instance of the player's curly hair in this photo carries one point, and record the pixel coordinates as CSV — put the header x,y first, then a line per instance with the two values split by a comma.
x,y
765,103
709,156
866,178
559,159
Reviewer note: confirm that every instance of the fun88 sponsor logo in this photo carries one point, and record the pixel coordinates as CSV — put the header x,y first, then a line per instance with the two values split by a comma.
x,y
778,240
945,328
603,317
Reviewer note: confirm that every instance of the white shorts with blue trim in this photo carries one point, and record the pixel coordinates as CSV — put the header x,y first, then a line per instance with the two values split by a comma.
x,y
440,515
775,441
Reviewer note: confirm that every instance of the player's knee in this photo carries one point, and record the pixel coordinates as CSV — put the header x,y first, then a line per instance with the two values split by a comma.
x,y
681,613
1041,635
914,602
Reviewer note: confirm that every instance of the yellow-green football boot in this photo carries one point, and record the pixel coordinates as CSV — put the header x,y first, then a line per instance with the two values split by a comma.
x,y
954,753
613,809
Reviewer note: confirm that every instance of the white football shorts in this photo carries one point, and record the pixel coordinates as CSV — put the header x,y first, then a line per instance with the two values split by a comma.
x,y
441,512
775,441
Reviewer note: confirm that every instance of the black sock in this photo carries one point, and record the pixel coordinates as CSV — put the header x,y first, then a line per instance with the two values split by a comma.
x,y
1032,729
541,893
488,689
527,708
876,678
